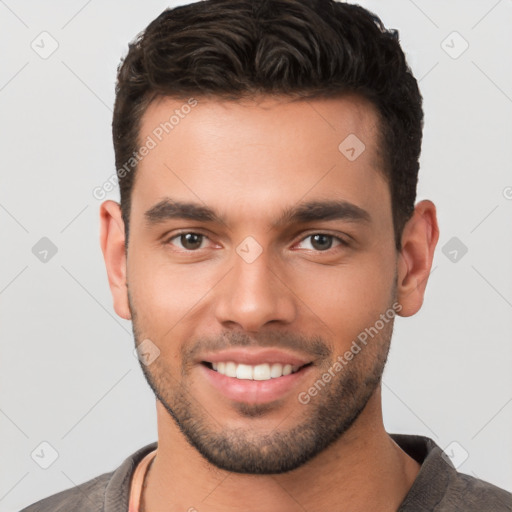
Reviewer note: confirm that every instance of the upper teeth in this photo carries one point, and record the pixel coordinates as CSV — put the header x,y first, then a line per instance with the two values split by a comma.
x,y
258,372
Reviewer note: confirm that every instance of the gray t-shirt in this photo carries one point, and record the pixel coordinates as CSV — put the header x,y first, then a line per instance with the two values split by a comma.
x,y
438,486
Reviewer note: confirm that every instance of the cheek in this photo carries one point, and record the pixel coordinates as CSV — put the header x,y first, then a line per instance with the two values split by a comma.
x,y
348,298
163,294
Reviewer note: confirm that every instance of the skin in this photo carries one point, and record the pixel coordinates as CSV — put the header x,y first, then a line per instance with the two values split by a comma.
x,y
235,157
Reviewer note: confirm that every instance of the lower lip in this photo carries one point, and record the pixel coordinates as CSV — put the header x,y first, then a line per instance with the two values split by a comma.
x,y
254,391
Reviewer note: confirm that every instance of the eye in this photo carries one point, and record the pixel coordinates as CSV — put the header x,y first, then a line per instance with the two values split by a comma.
x,y
188,240
323,242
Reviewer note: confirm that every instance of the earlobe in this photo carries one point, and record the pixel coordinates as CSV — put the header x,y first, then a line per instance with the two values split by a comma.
x,y
112,241
419,240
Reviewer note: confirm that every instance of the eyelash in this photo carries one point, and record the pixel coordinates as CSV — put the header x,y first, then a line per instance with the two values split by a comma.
x,y
342,242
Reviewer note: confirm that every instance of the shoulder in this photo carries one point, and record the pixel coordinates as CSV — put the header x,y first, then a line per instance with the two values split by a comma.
x,y
87,496
108,492
440,487
475,495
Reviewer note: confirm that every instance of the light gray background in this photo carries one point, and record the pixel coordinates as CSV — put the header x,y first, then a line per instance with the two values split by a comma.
x,y
68,376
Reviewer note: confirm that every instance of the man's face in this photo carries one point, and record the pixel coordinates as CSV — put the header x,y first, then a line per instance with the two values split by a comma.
x,y
248,284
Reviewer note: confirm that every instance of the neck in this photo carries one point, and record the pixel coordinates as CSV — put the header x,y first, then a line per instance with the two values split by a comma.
x,y
365,457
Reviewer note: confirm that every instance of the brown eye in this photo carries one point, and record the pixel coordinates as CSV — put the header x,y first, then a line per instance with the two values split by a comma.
x,y
189,241
322,242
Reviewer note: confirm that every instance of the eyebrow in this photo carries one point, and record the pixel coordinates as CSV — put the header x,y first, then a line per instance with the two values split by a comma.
x,y
310,211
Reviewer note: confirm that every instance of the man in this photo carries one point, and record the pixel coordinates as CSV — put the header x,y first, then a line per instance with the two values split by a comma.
x,y
266,238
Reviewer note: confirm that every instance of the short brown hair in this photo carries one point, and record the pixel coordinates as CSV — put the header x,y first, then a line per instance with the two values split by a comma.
x,y
233,49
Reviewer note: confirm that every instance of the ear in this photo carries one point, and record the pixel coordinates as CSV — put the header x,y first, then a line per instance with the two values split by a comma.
x,y
419,239
112,238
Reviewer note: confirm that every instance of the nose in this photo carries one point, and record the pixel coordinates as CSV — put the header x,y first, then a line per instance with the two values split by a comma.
x,y
254,294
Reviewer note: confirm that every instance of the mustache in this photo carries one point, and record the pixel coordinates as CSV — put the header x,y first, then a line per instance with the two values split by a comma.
x,y
314,346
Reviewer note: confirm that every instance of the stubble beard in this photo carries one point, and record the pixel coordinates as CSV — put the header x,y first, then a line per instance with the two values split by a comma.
x,y
323,420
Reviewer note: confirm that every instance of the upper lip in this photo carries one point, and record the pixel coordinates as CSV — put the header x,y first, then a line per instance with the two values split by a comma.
x,y
255,357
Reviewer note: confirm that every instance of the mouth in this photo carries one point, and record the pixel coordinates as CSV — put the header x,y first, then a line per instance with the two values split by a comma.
x,y
255,377
259,372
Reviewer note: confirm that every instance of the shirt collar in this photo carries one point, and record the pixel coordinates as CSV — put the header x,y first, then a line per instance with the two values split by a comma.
x,y
435,474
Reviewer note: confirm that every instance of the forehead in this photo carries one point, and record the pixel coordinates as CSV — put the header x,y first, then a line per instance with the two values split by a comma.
x,y
260,119
266,150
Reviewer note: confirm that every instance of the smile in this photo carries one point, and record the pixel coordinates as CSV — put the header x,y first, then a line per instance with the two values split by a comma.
x,y
258,383
265,371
